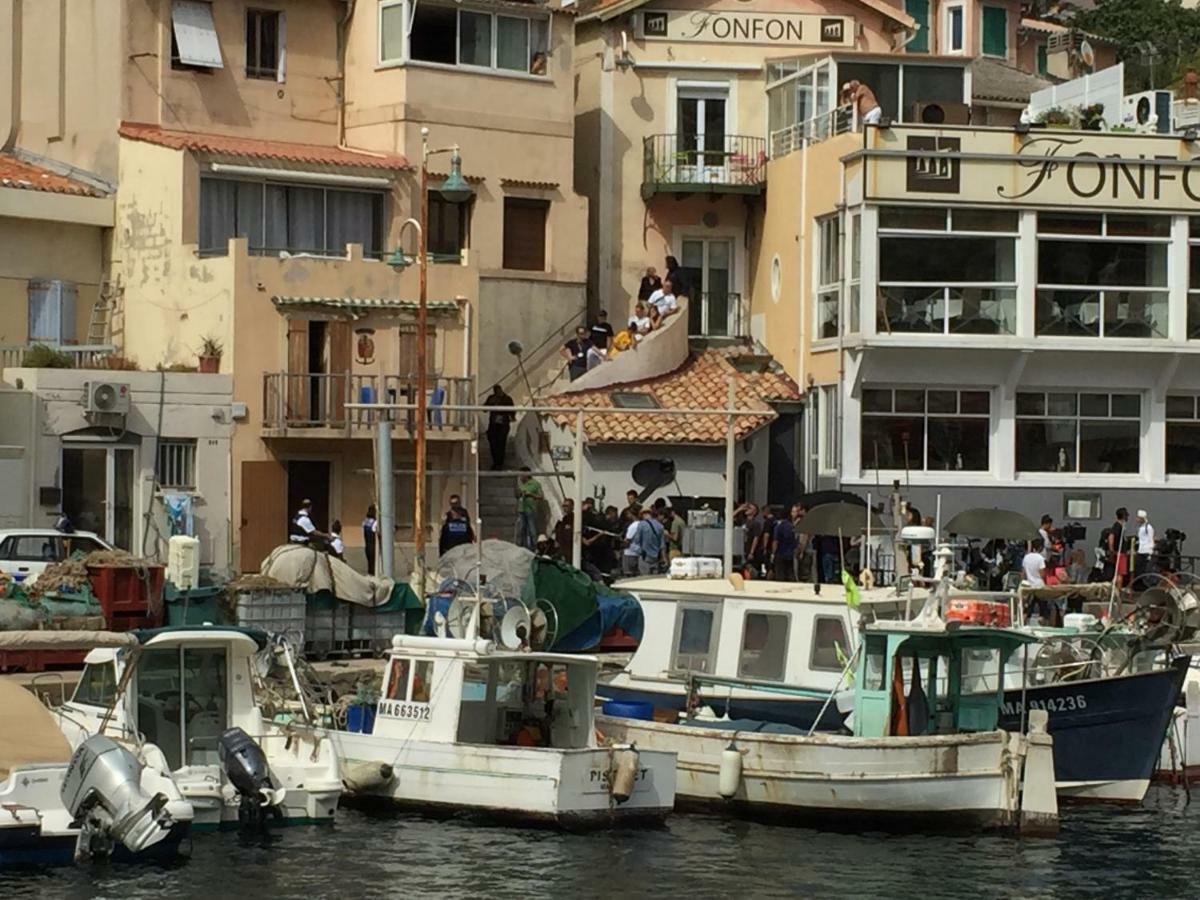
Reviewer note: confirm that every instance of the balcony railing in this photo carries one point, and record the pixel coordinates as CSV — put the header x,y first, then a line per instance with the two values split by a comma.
x,y
718,314
683,163
72,356
811,131
312,401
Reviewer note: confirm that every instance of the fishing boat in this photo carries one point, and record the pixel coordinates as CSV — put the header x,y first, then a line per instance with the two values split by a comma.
x,y
465,725
926,752
96,802
792,636
184,698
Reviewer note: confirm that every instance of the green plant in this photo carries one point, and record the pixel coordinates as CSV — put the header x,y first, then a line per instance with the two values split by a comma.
x,y
1055,115
210,346
1091,118
1123,129
39,356
120,363
177,367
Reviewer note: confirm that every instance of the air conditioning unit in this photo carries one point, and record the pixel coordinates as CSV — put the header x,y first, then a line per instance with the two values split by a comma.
x,y
1148,112
105,397
941,112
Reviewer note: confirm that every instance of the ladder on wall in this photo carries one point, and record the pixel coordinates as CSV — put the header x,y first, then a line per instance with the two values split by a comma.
x,y
100,324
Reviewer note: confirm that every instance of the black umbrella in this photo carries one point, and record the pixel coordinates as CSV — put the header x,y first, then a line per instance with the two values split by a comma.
x,y
993,523
820,498
835,518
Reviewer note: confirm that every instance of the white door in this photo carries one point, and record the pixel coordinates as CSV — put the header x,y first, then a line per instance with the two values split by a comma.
x,y
701,152
97,490
713,308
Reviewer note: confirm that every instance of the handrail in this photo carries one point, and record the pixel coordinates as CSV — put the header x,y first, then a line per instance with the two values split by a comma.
x,y
335,400
533,357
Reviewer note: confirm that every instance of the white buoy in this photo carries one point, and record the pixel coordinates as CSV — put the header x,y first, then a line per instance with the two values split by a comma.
x,y
731,771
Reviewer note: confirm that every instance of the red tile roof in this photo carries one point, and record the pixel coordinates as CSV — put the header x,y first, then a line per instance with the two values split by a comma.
x,y
17,173
700,383
254,148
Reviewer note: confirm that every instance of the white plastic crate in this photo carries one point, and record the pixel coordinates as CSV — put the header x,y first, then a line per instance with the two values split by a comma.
x,y
275,610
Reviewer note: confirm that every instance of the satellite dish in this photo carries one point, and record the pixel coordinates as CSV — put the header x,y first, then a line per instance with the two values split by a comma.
x,y
651,474
515,628
458,617
1087,55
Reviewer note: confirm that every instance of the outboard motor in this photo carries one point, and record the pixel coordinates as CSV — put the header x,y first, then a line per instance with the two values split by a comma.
x,y
102,791
246,766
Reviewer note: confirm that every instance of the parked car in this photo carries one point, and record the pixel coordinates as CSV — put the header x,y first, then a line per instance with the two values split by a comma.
x,y
25,552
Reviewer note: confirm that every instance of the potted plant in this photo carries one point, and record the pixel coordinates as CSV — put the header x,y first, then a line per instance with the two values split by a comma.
x,y
1055,117
1091,118
210,355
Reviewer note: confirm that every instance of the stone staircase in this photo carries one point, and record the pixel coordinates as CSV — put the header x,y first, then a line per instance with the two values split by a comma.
x,y
497,497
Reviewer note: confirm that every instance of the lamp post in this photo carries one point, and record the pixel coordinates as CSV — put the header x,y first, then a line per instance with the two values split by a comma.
x,y
456,190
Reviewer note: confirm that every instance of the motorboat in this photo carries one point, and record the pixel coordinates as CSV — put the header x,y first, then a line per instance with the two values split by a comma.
x,y
463,724
926,751
184,698
96,802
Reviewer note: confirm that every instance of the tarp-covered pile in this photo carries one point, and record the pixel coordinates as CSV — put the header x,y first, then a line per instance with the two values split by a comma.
x,y
314,572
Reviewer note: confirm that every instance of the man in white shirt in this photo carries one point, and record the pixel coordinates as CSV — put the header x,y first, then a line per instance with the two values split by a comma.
x,y
633,548
1145,544
640,320
662,303
1034,564
301,529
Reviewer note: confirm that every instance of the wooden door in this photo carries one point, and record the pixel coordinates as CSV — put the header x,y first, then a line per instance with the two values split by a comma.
x,y
297,371
339,369
265,513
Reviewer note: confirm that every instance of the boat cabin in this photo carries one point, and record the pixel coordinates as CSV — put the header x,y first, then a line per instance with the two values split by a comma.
x,y
467,691
941,679
189,685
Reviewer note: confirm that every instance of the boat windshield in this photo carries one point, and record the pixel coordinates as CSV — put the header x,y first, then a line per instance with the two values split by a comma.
x,y
533,703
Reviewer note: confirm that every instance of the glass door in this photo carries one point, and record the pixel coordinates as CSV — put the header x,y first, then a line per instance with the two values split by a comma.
x,y
708,265
183,702
700,141
97,491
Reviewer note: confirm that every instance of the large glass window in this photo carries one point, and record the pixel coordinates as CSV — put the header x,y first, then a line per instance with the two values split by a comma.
x,y
1078,432
947,271
695,638
764,646
925,430
829,278
280,217
1183,435
854,292
452,36
449,228
1102,275
1193,315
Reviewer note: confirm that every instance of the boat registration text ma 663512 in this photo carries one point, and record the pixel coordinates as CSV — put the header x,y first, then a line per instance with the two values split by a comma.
x,y
396,709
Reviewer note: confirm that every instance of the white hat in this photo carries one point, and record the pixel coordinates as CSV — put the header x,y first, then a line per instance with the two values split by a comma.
x,y
1142,514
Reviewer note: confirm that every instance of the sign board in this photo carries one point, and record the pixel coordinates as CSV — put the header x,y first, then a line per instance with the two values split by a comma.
x,y
1045,167
745,27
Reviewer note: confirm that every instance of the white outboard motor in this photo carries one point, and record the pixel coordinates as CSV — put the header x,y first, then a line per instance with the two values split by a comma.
x,y
246,766
102,791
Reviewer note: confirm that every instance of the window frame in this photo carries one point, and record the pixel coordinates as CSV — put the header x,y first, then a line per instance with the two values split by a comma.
x,y
465,212
260,72
1176,420
184,449
710,655
827,296
408,12
983,21
845,644
12,547
526,203
108,679
1079,417
768,614
947,19
867,465
1193,291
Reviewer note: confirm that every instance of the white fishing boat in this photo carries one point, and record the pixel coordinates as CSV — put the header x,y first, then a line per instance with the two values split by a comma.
x,y
98,801
464,725
185,698
926,751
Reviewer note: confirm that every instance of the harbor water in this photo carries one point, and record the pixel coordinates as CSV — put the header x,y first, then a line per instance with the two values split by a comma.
x,y
1149,851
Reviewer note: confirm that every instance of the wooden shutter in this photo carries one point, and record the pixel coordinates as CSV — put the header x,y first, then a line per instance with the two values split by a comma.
x,y
339,369
408,351
525,233
297,370
995,31
919,10
264,519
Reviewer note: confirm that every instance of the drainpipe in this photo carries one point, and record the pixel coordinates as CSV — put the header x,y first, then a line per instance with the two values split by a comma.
x,y
343,27
385,495
10,106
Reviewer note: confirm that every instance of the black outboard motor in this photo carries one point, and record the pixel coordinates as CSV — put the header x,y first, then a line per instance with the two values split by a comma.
x,y
246,767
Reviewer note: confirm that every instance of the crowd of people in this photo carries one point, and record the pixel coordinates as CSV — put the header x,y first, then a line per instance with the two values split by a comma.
x,y
657,301
778,547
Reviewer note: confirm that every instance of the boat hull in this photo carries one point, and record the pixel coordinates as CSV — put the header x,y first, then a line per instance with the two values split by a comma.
x,y
800,712
934,783
566,788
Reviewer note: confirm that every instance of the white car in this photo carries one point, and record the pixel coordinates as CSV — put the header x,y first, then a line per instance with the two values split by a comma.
x,y
25,552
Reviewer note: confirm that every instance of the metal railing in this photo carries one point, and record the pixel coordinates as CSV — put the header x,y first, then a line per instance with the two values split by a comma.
x,y
319,400
839,120
687,160
718,314
79,357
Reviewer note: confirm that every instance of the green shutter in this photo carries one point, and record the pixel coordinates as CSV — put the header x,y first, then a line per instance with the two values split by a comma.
x,y
919,10
995,31
1043,60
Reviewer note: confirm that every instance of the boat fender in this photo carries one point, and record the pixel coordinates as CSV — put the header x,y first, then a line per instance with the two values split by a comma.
x,y
624,776
365,776
730,778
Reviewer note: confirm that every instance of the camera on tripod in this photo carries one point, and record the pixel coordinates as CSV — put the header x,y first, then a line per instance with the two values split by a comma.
x,y
1168,549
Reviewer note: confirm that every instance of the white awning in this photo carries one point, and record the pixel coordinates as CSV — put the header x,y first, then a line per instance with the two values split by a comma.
x,y
195,33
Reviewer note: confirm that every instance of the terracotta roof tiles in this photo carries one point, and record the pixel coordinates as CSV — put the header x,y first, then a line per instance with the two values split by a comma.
x,y
700,383
254,148
22,175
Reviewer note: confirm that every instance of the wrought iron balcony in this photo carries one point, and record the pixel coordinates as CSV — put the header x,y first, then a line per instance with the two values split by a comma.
x,y
687,163
717,314
312,403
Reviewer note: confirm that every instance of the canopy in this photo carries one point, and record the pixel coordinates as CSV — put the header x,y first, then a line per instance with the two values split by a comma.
x,y
299,566
992,523
28,731
846,518
64,640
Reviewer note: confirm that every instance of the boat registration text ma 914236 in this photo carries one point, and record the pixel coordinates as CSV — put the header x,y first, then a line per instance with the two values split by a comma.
x,y
1070,703
395,709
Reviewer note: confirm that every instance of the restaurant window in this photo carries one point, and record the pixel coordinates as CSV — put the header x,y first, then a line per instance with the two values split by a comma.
x,y
947,271
275,218
265,50
925,430
451,36
525,233
176,464
1183,435
1193,307
854,287
829,277
829,644
695,639
995,31
1078,432
449,228
1102,275
764,646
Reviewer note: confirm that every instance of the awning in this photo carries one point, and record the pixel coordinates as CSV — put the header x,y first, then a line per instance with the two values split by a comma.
x,y
361,306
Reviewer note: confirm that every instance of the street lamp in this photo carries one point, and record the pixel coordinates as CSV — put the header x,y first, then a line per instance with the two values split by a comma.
x,y
456,190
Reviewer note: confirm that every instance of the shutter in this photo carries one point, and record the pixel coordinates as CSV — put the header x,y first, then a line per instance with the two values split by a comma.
x,y
525,233
195,34
297,371
919,10
408,351
339,370
995,31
